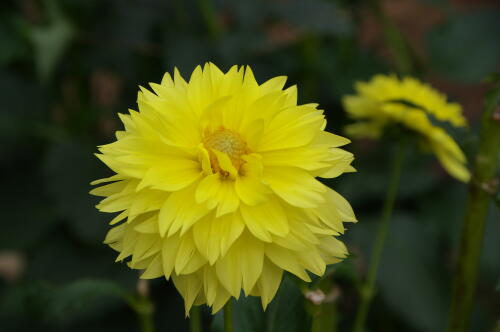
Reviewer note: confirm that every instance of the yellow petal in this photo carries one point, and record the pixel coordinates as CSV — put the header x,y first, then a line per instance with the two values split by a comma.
x,y
251,190
148,226
269,282
108,189
292,128
214,236
452,164
342,205
169,254
225,163
175,175
263,219
180,212
286,260
242,266
154,269
274,84
115,234
189,286
188,260
295,186
207,188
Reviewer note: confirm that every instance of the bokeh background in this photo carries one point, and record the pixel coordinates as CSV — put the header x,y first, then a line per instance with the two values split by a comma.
x,y
68,66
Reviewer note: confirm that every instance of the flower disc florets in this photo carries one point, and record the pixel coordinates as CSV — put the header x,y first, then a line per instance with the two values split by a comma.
x,y
216,186
228,142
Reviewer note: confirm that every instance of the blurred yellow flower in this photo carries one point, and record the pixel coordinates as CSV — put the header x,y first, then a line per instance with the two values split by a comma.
x,y
387,100
215,185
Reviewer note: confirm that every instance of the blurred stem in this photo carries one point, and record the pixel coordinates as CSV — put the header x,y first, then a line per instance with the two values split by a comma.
x,y
228,316
143,306
326,318
481,189
195,319
395,40
207,10
367,290
147,323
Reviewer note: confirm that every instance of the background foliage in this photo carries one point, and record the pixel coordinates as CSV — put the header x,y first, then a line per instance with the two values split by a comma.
x,y
67,67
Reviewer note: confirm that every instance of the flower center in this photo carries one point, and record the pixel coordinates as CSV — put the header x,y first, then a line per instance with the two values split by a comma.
x,y
229,142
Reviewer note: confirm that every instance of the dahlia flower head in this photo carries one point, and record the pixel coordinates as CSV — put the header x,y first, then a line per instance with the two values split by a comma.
x,y
387,100
216,186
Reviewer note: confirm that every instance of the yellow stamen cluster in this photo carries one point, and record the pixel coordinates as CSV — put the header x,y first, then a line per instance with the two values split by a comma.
x,y
228,142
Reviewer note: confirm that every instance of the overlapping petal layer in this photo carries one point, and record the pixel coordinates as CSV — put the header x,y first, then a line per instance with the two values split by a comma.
x,y
388,100
216,186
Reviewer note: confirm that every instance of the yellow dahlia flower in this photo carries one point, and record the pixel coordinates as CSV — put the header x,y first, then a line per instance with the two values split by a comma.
x,y
388,100
215,185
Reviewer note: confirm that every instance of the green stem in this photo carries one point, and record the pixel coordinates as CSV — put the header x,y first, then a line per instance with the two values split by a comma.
x,y
325,319
195,319
395,40
481,190
147,322
497,328
367,290
228,317
144,309
207,10
143,306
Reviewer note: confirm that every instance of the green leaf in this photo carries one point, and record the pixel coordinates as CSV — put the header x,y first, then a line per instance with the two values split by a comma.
x,y
285,313
77,300
463,48
51,40
23,108
248,316
80,295
411,282
12,40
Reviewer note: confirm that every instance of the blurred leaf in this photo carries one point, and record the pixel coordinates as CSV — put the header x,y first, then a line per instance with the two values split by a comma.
x,y
60,258
248,316
73,301
51,40
12,40
82,295
285,313
410,278
23,106
462,48
409,268
27,213
372,175
68,169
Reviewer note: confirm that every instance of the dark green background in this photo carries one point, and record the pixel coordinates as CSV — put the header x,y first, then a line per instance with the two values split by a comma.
x,y
68,66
